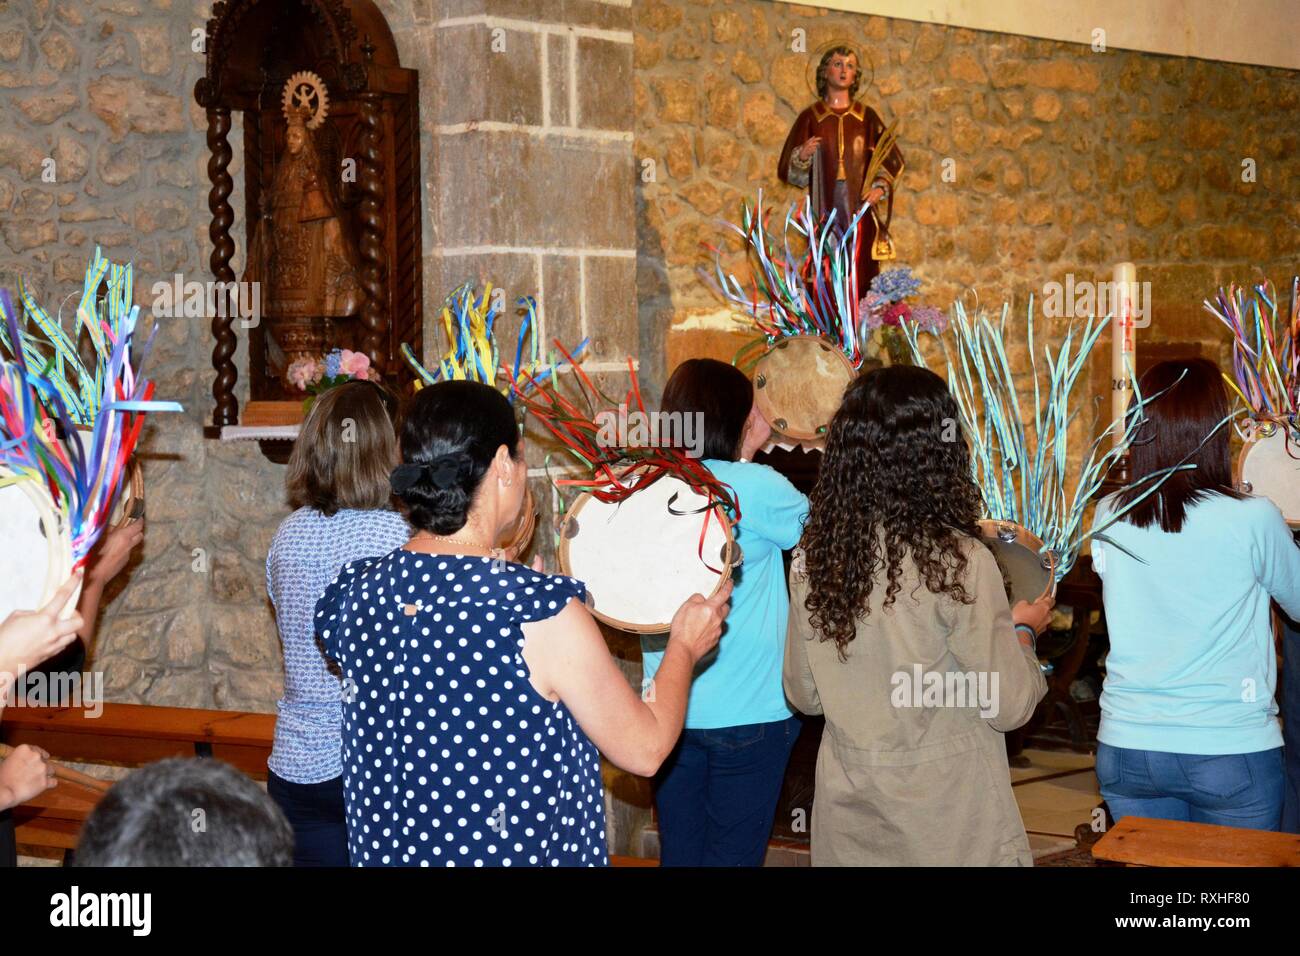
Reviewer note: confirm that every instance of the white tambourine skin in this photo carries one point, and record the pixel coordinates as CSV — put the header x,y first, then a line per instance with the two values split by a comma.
x,y
1268,467
37,557
638,559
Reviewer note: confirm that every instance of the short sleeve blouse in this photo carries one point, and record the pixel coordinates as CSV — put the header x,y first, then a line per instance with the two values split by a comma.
x,y
450,756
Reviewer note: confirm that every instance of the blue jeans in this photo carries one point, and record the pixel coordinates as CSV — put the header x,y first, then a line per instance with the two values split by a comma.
x,y
1291,726
716,793
315,811
1231,790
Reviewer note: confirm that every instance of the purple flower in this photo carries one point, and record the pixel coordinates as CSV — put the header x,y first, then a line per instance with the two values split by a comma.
x,y
333,363
894,285
929,319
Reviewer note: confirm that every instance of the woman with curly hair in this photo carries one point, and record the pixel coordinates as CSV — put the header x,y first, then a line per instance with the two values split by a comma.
x,y
901,634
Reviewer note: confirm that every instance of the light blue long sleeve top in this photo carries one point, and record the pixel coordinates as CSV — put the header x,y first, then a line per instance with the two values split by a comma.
x,y
740,682
1192,667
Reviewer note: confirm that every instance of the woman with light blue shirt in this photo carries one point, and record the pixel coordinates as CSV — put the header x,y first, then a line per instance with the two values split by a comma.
x,y
717,793
338,481
1189,727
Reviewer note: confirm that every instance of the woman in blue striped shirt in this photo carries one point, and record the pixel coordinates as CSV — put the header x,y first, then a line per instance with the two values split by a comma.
x,y
338,482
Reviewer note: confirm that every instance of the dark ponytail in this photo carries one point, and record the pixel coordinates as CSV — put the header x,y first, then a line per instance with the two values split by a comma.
x,y
450,434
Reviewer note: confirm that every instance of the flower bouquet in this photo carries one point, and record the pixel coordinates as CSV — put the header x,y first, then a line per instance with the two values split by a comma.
x,y
885,309
315,375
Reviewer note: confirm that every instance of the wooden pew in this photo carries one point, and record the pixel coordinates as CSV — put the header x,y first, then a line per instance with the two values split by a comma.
x,y
137,734
1139,841
126,734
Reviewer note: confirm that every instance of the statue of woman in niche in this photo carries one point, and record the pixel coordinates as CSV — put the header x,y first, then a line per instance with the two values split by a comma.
x,y
299,250
828,151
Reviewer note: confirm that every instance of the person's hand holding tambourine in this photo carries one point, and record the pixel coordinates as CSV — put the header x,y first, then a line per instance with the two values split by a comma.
x,y
697,625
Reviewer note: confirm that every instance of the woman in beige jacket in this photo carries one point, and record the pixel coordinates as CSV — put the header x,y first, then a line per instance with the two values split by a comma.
x,y
901,634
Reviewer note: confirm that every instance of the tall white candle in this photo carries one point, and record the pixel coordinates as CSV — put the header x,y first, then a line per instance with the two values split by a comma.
x,y
1123,353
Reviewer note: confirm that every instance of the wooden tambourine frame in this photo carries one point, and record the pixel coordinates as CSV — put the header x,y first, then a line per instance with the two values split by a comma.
x,y
129,505
516,538
777,396
1002,537
1239,467
728,557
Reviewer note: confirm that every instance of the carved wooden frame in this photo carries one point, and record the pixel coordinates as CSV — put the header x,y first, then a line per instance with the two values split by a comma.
x,y
349,44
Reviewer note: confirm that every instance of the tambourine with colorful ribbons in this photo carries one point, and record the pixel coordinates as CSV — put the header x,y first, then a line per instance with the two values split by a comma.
x,y
1021,459
1269,465
806,310
1266,379
798,385
90,405
643,555
650,526
82,473
469,322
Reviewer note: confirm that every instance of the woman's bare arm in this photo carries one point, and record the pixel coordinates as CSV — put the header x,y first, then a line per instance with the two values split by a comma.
x,y
570,662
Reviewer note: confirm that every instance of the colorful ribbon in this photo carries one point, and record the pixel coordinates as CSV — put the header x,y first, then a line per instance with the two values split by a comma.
x,y
1030,482
1265,350
472,354
812,294
44,395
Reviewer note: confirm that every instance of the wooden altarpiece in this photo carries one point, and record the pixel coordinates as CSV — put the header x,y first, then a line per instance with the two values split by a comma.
x,y
252,48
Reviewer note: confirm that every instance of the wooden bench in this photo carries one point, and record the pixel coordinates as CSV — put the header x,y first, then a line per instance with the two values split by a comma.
x,y
1139,841
134,735
126,734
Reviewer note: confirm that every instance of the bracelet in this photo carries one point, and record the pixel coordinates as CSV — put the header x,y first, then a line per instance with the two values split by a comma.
x,y
1033,635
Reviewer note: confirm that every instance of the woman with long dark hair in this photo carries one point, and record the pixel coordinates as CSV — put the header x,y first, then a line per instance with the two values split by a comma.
x,y
477,691
901,634
1189,727
717,793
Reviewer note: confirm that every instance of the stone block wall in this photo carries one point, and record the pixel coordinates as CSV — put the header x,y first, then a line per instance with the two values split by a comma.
x,y
102,144
1061,159
527,155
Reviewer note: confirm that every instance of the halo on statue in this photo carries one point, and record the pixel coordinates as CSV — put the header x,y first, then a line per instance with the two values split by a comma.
x,y
305,93
815,59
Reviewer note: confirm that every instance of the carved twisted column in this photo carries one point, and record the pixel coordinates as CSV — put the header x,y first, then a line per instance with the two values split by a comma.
x,y
226,411
370,179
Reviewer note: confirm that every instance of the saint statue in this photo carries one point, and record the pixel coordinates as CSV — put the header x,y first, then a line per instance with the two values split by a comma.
x,y
300,252
828,152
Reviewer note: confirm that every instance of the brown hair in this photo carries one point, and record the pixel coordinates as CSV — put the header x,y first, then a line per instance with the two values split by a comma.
x,y
720,394
345,451
823,85
1182,424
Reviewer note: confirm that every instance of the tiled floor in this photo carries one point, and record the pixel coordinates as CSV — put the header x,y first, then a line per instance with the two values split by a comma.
x,y
1056,793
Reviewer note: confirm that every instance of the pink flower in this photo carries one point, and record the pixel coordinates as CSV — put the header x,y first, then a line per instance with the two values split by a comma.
x,y
303,372
354,364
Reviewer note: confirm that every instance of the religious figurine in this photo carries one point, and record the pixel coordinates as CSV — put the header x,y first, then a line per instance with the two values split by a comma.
x,y
300,252
829,151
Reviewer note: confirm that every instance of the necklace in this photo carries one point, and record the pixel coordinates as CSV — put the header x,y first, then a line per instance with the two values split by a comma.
x,y
453,539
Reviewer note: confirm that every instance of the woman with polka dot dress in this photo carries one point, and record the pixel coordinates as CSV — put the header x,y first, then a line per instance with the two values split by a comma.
x,y
478,693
